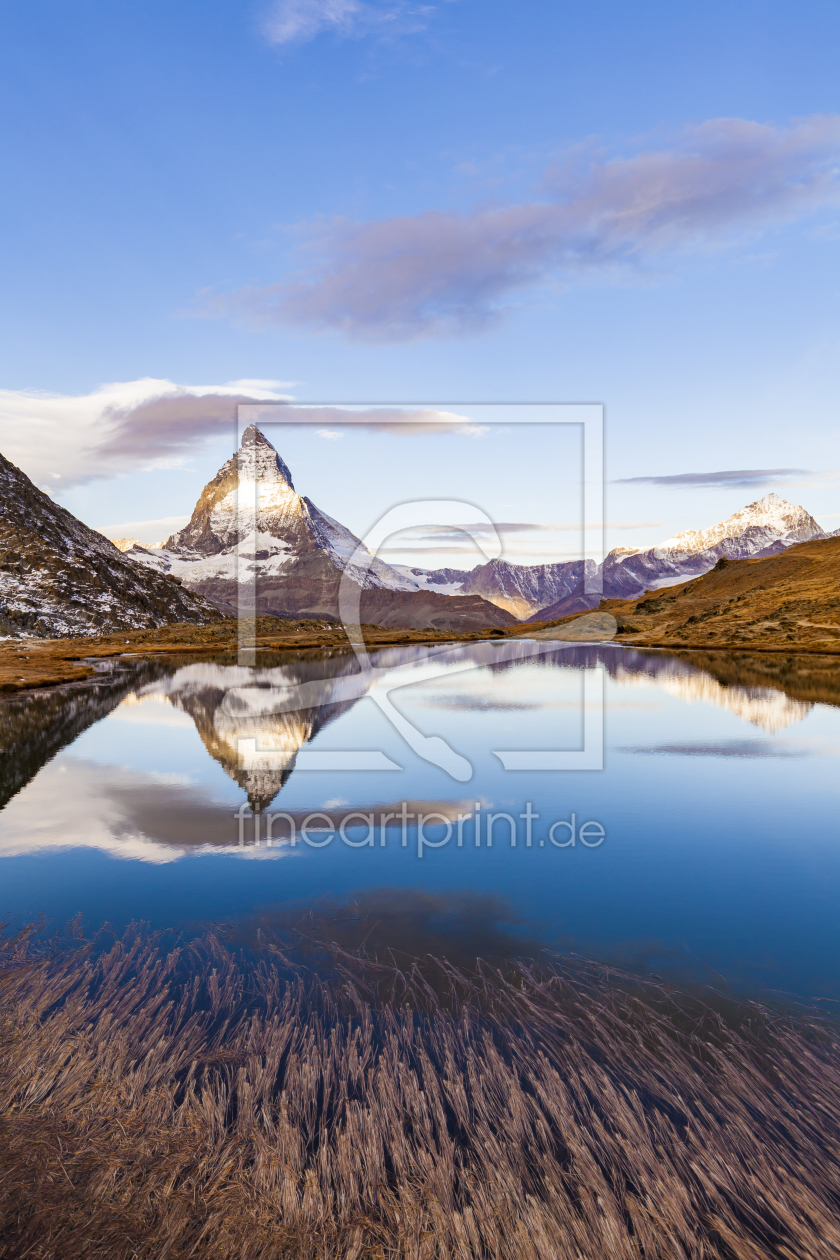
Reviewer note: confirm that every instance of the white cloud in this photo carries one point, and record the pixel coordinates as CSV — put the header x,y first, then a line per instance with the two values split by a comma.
x,y
115,428
439,271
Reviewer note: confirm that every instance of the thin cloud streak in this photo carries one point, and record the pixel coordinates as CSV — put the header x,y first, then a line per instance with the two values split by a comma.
x,y
453,533
721,748
398,421
298,21
440,272
548,555
731,477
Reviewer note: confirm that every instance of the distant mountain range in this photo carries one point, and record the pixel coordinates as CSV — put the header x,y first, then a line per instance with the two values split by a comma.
x,y
300,554
281,554
764,528
542,592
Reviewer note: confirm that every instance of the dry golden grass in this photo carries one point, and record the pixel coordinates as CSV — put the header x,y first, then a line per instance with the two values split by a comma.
x,y
195,1104
47,662
789,602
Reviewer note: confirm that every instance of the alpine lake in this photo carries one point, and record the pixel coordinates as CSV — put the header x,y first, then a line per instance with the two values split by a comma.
x,y
671,813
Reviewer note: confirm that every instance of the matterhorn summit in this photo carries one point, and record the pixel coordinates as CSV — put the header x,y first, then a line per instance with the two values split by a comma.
x,y
250,521
254,545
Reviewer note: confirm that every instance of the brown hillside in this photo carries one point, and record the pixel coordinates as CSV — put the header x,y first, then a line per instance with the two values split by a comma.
x,y
787,601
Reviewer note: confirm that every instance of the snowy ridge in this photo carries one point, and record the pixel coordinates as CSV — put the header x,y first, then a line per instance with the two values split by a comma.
x,y
766,527
773,516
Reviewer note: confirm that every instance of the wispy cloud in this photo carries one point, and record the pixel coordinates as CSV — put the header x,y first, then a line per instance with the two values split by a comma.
x,y
297,21
534,554
450,540
441,272
721,748
62,440
721,480
332,421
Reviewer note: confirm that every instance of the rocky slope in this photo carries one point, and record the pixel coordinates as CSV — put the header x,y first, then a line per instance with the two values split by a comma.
x,y
60,578
33,729
254,545
522,589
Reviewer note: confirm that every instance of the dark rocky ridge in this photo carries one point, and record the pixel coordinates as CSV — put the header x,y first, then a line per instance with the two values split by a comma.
x,y
35,726
60,578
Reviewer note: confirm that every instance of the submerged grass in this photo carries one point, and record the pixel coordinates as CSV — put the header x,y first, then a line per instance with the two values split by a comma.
x,y
175,1101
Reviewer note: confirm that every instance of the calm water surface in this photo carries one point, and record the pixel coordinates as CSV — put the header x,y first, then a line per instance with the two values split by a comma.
x,y
718,800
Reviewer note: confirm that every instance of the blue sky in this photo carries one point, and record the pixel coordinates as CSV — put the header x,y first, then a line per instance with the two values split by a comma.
x,y
629,204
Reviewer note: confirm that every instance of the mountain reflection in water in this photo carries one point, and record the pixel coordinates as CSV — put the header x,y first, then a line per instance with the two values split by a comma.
x,y
246,724
252,724
718,801
242,718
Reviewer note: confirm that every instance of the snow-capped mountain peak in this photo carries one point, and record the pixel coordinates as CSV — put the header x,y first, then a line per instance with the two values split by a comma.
x,y
779,519
253,483
251,524
257,460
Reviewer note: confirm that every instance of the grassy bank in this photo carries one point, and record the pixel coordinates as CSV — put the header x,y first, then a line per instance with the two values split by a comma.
x,y
789,602
47,662
191,1102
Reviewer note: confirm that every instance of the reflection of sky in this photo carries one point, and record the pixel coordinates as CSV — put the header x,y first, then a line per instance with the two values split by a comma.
x,y
721,827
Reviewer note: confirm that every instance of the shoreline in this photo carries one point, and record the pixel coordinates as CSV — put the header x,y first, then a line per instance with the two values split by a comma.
x,y
26,664
29,664
785,650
